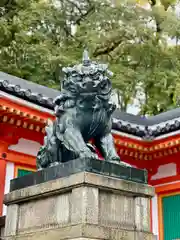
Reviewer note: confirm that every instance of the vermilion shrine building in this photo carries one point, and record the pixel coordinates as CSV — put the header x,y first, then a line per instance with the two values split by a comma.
x,y
152,143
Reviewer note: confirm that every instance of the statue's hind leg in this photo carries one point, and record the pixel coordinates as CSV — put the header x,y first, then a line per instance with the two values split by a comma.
x,y
106,146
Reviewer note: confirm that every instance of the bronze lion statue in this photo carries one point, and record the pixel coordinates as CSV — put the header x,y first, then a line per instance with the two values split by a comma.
x,y
83,112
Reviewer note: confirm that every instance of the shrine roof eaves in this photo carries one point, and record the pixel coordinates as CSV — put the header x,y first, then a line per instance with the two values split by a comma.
x,y
146,128
32,92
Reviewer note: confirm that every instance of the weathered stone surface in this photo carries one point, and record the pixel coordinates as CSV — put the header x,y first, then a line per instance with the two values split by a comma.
x,y
87,233
144,236
83,205
116,210
119,184
11,220
12,238
83,178
2,232
142,214
69,232
45,213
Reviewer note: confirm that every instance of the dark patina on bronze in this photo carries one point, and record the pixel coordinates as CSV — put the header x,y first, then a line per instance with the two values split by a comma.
x,y
83,112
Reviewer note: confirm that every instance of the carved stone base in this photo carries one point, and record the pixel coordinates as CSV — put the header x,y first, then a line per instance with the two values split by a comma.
x,y
81,206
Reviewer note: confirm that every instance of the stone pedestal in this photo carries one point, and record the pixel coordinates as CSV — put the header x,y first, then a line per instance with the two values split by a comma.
x,y
81,206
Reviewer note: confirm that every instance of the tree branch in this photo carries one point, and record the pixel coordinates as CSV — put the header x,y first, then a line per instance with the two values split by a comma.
x,y
110,45
101,50
83,16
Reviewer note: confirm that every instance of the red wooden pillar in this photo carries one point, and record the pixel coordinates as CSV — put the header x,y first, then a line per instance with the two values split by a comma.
x,y
2,182
3,150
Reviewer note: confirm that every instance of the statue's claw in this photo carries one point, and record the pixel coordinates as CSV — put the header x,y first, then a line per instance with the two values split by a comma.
x,y
87,154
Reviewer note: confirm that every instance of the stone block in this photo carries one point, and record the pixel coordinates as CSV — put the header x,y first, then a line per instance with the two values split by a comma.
x,y
144,236
122,234
2,232
116,210
82,206
85,205
12,218
44,213
142,214
48,234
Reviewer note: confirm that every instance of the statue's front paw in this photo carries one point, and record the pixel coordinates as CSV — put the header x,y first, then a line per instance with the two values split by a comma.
x,y
87,154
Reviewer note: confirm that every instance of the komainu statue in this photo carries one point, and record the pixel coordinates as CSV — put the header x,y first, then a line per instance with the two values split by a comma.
x,y
83,112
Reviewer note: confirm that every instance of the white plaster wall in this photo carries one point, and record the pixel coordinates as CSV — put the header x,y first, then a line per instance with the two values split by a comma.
x,y
9,176
155,226
166,170
26,146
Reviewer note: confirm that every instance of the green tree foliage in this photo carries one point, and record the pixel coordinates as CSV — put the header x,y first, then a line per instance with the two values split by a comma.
x,y
38,37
